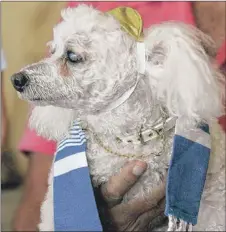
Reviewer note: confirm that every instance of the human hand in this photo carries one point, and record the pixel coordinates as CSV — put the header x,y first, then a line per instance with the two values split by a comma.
x,y
136,215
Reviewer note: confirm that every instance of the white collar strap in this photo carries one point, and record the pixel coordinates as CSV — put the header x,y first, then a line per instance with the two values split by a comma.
x,y
141,57
123,98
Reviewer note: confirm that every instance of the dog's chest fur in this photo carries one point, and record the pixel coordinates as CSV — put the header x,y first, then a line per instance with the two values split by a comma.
x,y
103,164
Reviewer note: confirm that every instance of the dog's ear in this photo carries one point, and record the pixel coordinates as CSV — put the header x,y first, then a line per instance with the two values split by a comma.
x,y
51,122
182,71
205,41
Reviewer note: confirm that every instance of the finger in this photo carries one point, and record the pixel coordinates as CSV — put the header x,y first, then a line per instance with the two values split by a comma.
x,y
122,215
118,185
159,221
155,212
151,219
139,206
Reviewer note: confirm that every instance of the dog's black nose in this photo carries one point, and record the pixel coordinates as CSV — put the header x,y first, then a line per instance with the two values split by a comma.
x,y
20,81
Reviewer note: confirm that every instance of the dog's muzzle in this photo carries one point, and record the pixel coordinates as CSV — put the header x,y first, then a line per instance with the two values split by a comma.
x,y
20,81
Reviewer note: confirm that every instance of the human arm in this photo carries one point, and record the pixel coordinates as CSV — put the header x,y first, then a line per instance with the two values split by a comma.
x,y
40,159
28,213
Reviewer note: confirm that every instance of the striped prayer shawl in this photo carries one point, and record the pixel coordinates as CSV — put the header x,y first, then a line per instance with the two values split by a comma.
x,y
187,175
74,203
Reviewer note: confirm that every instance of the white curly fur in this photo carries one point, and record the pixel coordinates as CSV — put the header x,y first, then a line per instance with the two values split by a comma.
x,y
179,75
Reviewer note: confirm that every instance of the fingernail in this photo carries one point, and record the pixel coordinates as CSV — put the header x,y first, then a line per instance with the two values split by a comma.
x,y
139,169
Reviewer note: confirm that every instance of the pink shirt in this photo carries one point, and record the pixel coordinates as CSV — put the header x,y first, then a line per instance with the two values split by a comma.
x,y
152,13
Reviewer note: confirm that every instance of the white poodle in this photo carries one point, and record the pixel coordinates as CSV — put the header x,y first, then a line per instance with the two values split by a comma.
x,y
93,65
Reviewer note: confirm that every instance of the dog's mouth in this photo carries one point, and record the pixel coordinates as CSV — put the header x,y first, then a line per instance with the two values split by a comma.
x,y
45,99
36,99
39,99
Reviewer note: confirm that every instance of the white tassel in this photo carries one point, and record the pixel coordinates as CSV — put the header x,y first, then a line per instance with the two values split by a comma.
x,y
176,224
182,226
172,223
189,227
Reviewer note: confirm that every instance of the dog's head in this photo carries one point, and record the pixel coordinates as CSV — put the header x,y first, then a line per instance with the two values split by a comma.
x,y
93,62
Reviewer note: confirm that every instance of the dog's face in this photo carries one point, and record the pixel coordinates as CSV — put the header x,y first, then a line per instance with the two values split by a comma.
x,y
91,64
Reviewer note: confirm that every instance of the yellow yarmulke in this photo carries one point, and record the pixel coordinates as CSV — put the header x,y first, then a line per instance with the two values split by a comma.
x,y
130,21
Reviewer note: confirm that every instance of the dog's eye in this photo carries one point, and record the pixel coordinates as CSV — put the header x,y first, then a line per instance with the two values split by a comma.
x,y
73,57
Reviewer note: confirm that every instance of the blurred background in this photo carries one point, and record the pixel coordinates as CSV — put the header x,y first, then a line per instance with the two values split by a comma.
x,y
26,27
